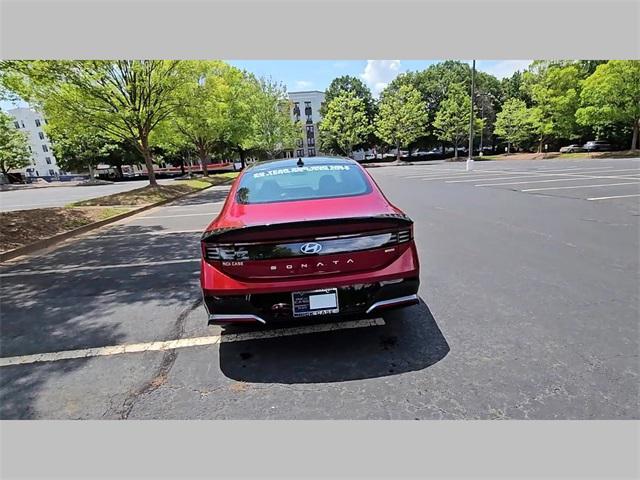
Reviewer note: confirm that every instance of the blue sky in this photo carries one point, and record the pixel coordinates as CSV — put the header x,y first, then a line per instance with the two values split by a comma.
x,y
317,74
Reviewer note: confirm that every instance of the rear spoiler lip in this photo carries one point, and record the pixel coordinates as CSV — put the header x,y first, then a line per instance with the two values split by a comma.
x,y
218,234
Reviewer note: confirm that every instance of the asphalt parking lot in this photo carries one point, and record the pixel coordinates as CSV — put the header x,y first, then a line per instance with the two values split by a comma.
x,y
59,194
529,287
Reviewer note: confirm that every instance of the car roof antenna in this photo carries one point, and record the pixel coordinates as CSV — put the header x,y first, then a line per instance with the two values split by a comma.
x,y
300,162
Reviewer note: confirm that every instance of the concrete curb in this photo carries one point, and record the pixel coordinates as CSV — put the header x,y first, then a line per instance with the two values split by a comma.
x,y
48,242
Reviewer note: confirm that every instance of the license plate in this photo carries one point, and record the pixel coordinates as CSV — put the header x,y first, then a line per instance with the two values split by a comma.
x,y
315,302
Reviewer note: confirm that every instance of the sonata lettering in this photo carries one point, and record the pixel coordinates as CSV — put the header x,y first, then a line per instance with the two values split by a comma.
x,y
302,266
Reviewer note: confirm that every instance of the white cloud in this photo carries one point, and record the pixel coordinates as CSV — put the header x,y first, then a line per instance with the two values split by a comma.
x,y
303,84
378,73
503,68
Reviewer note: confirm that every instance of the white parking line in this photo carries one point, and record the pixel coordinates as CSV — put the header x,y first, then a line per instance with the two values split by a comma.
x,y
507,174
195,205
187,342
155,232
615,196
579,186
573,179
210,214
81,268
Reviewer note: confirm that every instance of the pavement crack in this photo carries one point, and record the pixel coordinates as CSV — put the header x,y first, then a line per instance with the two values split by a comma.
x,y
162,372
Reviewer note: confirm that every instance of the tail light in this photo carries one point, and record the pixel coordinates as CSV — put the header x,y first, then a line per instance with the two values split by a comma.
x,y
285,249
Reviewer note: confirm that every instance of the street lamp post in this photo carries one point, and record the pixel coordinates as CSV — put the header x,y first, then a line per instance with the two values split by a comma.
x,y
473,87
482,129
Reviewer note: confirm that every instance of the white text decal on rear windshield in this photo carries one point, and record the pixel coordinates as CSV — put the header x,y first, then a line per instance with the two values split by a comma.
x,y
314,168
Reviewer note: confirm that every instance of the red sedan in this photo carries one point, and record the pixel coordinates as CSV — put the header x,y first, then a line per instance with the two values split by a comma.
x,y
298,238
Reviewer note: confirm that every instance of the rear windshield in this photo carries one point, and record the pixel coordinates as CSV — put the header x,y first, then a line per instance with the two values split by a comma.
x,y
301,183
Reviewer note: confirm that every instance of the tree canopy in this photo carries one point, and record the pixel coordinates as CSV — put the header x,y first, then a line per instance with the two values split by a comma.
x,y
515,123
612,96
345,123
273,129
124,99
402,117
453,117
14,149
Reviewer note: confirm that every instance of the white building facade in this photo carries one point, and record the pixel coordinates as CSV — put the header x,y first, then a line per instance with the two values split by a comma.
x,y
43,162
305,108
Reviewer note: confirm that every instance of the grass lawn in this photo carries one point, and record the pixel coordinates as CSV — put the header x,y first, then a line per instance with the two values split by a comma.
x,y
147,195
22,227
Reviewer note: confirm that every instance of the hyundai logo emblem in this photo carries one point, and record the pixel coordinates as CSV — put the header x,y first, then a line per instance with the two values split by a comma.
x,y
311,248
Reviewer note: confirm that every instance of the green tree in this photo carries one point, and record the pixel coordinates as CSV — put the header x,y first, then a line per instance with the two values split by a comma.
x,y
611,95
514,123
402,117
555,92
198,121
345,123
14,149
452,119
273,131
435,81
433,84
81,150
511,87
124,99
349,84
242,95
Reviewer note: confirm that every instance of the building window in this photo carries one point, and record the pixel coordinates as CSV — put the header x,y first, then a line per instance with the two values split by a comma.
x,y
22,123
48,160
41,135
300,152
296,110
300,143
308,111
37,122
311,142
17,125
45,148
310,131
30,149
312,152
52,173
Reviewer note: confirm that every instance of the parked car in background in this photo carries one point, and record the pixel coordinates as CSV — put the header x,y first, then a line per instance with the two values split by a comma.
x,y
597,146
302,239
572,148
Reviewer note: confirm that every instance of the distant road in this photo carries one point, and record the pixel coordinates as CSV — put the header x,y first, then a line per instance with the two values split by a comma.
x,y
30,198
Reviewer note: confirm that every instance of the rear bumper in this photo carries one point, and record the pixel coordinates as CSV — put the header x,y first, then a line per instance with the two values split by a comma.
x,y
354,300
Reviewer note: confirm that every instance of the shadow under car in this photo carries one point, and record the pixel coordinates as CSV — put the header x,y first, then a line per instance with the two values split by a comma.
x,y
410,340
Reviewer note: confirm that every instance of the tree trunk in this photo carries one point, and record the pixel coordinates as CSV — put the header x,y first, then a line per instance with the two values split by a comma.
x,y
203,163
540,144
635,142
182,166
455,151
508,148
398,152
148,159
242,162
91,177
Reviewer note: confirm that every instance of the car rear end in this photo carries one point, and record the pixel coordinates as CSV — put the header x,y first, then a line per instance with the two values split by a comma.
x,y
318,240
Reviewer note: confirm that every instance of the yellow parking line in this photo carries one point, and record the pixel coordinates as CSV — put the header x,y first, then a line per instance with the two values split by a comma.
x,y
187,342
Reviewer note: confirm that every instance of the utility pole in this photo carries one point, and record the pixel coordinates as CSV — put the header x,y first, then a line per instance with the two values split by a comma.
x,y
473,87
482,129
